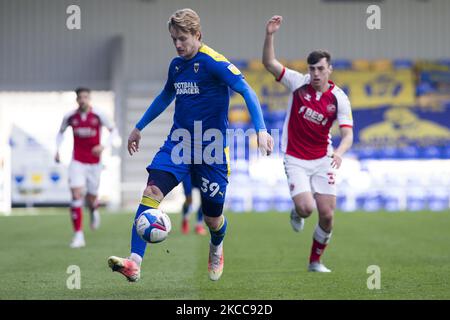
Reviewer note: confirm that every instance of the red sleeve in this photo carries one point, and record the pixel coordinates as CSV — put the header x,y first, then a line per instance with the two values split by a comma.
x,y
281,75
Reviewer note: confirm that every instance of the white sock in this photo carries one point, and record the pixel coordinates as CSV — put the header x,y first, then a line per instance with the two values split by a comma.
x,y
79,233
217,248
136,258
321,236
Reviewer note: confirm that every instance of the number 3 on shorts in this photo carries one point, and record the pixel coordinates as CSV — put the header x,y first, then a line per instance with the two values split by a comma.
x,y
213,187
331,177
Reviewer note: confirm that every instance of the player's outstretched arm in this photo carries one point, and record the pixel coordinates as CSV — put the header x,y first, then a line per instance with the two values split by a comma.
x,y
344,146
60,137
265,140
59,140
270,62
161,102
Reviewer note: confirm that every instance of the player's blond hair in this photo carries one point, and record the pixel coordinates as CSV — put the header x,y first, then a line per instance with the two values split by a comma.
x,y
185,20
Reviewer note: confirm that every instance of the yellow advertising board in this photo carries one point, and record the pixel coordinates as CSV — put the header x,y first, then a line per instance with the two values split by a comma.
x,y
366,89
372,89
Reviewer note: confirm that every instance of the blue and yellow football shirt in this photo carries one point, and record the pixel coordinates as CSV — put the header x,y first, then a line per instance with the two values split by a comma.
x,y
201,88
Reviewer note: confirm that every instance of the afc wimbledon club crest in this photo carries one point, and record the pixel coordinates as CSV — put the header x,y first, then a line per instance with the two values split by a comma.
x,y
196,66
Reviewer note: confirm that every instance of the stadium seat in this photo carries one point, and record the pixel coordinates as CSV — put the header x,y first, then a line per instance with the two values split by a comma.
x,y
241,64
444,62
391,197
281,197
432,152
238,115
416,199
424,88
408,152
391,204
447,152
446,104
372,202
275,119
340,201
368,152
255,65
403,64
438,198
390,152
347,204
261,202
361,65
239,191
382,65
342,64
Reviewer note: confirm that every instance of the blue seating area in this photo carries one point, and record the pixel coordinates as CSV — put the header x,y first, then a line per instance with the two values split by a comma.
x,y
389,137
430,115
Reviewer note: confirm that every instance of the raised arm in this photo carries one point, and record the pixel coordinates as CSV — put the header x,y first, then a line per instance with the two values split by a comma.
x,y
270,62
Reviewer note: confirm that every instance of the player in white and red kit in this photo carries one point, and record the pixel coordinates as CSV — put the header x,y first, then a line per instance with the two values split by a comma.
x,y
85,168
309,160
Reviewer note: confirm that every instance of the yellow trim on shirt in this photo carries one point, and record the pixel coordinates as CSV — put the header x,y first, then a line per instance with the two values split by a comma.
x,y
212,53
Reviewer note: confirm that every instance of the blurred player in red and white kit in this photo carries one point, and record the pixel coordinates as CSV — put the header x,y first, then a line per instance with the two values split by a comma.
x,y
309,160
85,167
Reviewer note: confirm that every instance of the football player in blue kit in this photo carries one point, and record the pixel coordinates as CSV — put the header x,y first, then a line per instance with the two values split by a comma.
x,y
199,79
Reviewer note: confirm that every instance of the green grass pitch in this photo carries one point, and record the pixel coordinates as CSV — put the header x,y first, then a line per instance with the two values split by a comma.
x,y
264,258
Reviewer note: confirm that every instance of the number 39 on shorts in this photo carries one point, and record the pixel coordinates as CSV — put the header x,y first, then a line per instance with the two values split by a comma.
x,y
208,186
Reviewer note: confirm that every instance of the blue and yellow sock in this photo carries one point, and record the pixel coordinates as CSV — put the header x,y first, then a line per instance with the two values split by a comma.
x,y
138,245
218,234
199,215
186,209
